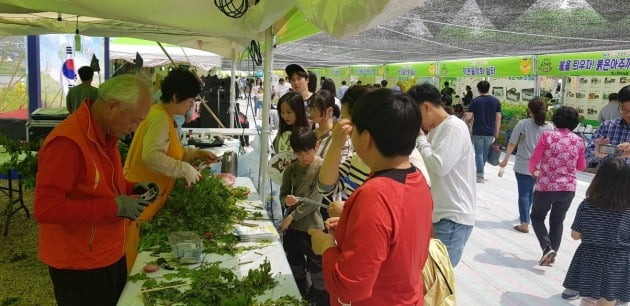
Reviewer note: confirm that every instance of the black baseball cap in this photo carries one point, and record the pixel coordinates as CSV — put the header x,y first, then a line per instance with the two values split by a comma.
x,y
293,68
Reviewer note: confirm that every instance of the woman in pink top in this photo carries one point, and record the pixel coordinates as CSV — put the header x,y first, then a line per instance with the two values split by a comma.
x,y
554,161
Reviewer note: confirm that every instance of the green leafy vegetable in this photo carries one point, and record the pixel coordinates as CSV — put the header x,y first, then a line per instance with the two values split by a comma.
x,y
208,206
212,285
209,209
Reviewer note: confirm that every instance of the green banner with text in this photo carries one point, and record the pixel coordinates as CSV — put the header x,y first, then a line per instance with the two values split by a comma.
x,y
366,70
488,67
408,70
607,63
343,71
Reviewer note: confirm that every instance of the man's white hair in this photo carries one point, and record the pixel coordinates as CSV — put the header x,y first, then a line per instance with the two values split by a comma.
x,y
126,89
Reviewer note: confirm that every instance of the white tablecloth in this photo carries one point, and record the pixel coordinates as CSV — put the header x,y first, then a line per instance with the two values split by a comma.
x,y
273,252
222,131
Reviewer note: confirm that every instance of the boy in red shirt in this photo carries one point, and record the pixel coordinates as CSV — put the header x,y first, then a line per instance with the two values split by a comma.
x,y
382,237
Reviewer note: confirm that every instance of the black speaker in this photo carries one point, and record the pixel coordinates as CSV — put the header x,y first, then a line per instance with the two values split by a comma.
x,y
216,93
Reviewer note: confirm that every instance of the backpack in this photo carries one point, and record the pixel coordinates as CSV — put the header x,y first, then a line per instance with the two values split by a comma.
x,y
438,277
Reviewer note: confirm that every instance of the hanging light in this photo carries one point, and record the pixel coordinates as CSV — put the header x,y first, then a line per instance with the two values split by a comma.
x,y
77,37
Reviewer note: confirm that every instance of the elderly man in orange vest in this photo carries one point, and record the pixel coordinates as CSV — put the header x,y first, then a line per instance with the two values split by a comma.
x,y
82,201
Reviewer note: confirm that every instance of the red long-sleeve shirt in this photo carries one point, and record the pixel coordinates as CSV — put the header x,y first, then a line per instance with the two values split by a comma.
x,y
382,242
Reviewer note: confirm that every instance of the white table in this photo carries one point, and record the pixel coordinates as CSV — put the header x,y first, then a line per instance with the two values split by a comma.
x,y
222,131
273,252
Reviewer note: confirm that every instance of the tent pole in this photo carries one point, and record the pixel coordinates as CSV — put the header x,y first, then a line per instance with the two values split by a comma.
x,y
536,80
232,88
264,137
34,79
106,61
167,55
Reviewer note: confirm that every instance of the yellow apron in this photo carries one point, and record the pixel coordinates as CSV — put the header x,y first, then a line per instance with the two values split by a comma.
x,y
136,171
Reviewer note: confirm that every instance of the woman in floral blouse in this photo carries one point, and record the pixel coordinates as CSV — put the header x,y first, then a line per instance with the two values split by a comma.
x,y
556,158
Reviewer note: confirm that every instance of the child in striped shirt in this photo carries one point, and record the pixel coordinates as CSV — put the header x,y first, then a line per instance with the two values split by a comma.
x,y
600,269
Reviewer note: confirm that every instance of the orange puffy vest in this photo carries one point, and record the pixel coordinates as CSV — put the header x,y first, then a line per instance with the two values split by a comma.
x,y
86,246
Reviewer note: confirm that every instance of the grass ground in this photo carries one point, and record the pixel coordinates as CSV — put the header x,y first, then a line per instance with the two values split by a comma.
x,y
24,279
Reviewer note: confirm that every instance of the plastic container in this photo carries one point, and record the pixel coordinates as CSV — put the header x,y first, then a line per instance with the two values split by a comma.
x,y
186,246
229,163
501,171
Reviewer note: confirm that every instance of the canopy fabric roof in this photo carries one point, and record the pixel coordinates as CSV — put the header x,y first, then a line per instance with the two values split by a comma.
x,y
456,29
197,23
152,54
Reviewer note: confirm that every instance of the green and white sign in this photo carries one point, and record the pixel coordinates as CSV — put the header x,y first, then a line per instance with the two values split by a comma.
x,y
366,70
488,67
343,71
409,70
606,63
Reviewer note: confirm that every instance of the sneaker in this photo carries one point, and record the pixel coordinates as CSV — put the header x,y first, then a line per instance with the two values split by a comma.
x,y
569,294
523,228
480,180
548,257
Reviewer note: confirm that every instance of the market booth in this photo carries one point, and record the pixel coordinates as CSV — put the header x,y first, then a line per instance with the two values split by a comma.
x,y
511,78
588,78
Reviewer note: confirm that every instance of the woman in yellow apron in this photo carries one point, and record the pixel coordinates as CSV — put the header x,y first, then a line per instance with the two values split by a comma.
x,y
157,154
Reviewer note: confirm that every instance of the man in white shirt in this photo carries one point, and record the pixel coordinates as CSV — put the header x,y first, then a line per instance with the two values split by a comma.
x,y
342,90
450,159
283,87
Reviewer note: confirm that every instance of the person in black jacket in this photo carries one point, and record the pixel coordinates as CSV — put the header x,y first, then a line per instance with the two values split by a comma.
x,y
468,95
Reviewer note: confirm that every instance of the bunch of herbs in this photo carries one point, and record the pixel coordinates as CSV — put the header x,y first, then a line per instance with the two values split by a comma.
x,y
213,285
208,208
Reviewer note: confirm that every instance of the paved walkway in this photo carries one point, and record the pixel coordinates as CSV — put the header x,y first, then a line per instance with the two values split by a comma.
x,y
500,265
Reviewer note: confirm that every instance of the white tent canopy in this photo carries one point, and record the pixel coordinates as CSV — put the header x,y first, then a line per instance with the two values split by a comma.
x,y
197,24
153,56
200,24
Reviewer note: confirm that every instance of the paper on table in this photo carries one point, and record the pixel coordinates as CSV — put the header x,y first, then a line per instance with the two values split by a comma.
x,y
260,232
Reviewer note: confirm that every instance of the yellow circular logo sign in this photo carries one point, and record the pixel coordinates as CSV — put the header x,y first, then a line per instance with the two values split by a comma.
x,y
526,66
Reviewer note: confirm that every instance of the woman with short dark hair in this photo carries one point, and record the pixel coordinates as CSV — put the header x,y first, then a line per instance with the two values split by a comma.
x,y
157,155
556,158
